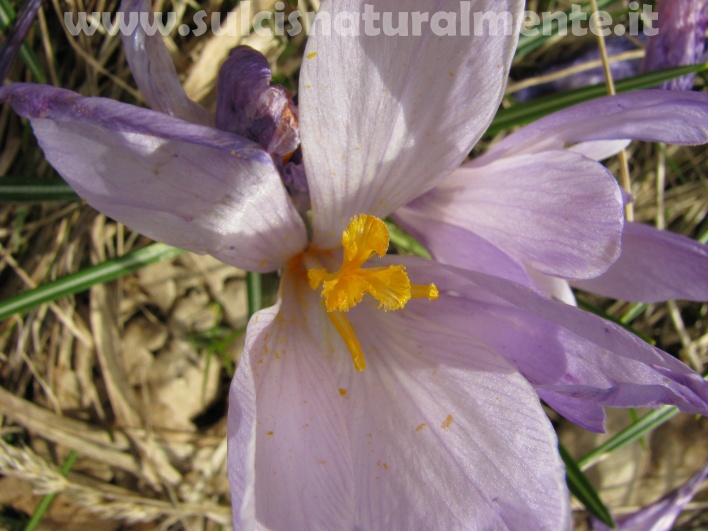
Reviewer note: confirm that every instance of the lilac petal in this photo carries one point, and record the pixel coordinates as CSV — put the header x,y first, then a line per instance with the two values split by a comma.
x,y
289,452
680,39
436,433
14,41
384,117
588,415
241,425
554,287
441,418
187,185
566,352
572,373
249,106
153,69
452,245
600,149
295,181
655,265
660,515
556,211
650,115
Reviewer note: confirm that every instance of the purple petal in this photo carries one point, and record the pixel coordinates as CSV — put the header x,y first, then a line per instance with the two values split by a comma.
x,y
600,149
565,352
455,402
295,181
680,39
249,106
650,115
452,245
660,515
384,117
14,41
554,287
187,185
281,406
436,433
655,265
153,69
241,457
555,211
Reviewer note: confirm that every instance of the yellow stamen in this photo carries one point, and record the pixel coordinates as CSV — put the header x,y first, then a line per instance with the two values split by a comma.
x,y
424,292
364,237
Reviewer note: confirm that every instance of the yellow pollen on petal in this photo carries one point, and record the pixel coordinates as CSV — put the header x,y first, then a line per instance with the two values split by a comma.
x,y
364,237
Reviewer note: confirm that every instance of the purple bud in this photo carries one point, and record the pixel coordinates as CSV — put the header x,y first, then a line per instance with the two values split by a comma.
x,y
248,105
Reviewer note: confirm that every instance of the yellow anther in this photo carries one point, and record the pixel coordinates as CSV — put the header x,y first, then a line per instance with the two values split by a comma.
x,y
364,237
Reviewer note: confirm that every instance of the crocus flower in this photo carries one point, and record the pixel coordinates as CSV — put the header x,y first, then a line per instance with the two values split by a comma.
x,y
660,515
370,396
680,40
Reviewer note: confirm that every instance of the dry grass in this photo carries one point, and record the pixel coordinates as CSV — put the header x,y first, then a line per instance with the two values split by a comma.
x,y
124,374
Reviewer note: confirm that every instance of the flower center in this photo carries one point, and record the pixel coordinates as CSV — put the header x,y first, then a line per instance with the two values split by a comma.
x,y
364,236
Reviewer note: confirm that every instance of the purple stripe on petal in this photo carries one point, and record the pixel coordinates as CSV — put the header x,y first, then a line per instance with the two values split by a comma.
x,y
187,185
249,106
654,266
680,39
650,115
153,69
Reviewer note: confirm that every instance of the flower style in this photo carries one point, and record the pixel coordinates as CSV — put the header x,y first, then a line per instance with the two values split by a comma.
x,y
441,425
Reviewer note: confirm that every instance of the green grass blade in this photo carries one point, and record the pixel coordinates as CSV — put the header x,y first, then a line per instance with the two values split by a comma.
x,y
629,435
7,17
528,112
254,291
583,490
46,502
404,241
84,279
35,190
634,312
529,43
